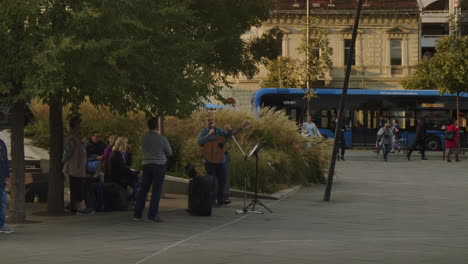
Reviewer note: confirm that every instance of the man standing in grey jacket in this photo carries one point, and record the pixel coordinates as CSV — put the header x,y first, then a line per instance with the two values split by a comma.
x,y
155,149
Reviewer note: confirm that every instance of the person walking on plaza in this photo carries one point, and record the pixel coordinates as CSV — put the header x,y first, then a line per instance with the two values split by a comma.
x,y
381,124
208,134
74,167
451,141
385,139
342,144
4,182
155,149
311,127
419,140
396,136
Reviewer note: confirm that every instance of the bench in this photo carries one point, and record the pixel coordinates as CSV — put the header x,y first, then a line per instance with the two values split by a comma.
x,y
36,180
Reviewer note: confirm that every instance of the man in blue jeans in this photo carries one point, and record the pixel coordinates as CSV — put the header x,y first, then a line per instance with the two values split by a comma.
x,y
4,181
155,149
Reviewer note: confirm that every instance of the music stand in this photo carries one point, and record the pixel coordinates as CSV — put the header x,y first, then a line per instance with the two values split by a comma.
x,y
255,200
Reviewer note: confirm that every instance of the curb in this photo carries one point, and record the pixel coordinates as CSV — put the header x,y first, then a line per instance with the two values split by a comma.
x,y
177,185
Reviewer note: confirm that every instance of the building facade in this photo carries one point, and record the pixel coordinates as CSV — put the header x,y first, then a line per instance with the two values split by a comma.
x,y
393,36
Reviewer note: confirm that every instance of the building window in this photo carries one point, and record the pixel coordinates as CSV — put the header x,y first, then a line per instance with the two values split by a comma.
x,y
395,52
347,48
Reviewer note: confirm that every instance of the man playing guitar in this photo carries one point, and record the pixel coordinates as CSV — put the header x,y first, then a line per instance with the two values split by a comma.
x,y
218,170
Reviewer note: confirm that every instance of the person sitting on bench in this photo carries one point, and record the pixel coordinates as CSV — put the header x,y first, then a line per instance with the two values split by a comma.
x,y
119,164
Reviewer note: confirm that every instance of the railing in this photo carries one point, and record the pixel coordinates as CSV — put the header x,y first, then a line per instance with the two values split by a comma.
x,y
435,12
397,70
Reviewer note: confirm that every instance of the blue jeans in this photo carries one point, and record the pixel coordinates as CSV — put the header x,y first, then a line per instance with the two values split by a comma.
x,y
3,205
153,174
386,150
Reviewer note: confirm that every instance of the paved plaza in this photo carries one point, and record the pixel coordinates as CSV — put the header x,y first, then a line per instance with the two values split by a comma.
x,y
381,212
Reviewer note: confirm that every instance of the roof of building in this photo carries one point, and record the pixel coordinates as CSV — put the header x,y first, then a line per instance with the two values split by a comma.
x,y
345,4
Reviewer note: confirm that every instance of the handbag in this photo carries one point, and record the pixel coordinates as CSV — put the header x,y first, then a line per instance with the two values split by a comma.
x,y
449,135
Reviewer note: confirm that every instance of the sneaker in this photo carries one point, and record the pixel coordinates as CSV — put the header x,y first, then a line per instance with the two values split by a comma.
x,y
6,229
85,211
136,219
423,158
227,201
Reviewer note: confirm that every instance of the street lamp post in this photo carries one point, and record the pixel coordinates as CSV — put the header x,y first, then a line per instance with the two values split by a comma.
x,y
307,46
341,109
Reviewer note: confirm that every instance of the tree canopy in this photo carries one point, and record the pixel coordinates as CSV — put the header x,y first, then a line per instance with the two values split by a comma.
x,y
162,57
447,70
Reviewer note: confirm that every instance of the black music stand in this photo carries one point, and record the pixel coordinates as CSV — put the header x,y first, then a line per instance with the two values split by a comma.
x,y
255,200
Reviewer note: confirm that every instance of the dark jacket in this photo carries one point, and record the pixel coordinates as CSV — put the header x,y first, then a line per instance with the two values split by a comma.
x,y
4,167
95,149
420,132
119,167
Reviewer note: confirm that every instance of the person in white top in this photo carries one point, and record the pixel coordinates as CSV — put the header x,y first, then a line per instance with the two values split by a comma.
x,y
311,127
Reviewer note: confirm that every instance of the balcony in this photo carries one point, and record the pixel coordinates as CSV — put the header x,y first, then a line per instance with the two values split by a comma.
x,y
397,70
429,40
435,16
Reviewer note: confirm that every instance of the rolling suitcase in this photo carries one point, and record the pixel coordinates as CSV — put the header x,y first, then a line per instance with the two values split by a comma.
x,y
200,195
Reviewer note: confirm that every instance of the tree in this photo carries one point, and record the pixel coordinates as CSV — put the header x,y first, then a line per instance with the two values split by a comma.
x,y
160,57
317,62
447,70
314,66
283,73
19,37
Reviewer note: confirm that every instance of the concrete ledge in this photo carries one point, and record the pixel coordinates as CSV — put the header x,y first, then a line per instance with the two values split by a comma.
x,y
177,185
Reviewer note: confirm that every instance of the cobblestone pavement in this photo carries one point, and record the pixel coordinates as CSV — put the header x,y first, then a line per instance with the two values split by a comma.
x,y
381,212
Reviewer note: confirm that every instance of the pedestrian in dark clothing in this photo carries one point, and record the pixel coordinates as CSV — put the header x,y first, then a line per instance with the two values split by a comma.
x,y
155,149
119,164
382,122
419,140
342,144
4,181
95,146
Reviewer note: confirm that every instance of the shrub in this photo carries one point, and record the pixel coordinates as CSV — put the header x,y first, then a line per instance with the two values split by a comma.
x,y
284,159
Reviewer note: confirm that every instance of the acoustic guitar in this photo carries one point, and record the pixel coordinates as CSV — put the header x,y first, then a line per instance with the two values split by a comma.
x,y
213,151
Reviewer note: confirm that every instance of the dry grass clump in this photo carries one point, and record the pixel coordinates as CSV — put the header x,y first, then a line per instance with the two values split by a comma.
x,y
284,159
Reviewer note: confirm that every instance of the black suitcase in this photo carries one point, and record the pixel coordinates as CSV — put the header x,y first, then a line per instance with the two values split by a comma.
x,y
200,195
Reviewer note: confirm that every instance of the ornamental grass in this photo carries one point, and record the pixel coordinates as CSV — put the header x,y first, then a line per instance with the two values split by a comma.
x,y
285,158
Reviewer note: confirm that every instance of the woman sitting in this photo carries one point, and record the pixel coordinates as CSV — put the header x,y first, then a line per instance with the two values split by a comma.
x,y
106,155
119,164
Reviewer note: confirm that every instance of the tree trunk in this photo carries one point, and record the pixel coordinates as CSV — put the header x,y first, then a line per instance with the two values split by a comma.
x,y
17,212
55,203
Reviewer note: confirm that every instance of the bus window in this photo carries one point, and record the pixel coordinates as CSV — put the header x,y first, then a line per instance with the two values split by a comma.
x,y
292,115
398,115
358,118
434,119
324,122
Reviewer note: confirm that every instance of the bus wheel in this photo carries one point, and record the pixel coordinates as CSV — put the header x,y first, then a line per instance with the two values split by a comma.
x,y
433,144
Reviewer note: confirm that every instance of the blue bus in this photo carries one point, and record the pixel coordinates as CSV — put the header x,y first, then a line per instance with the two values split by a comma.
x,y
363,109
